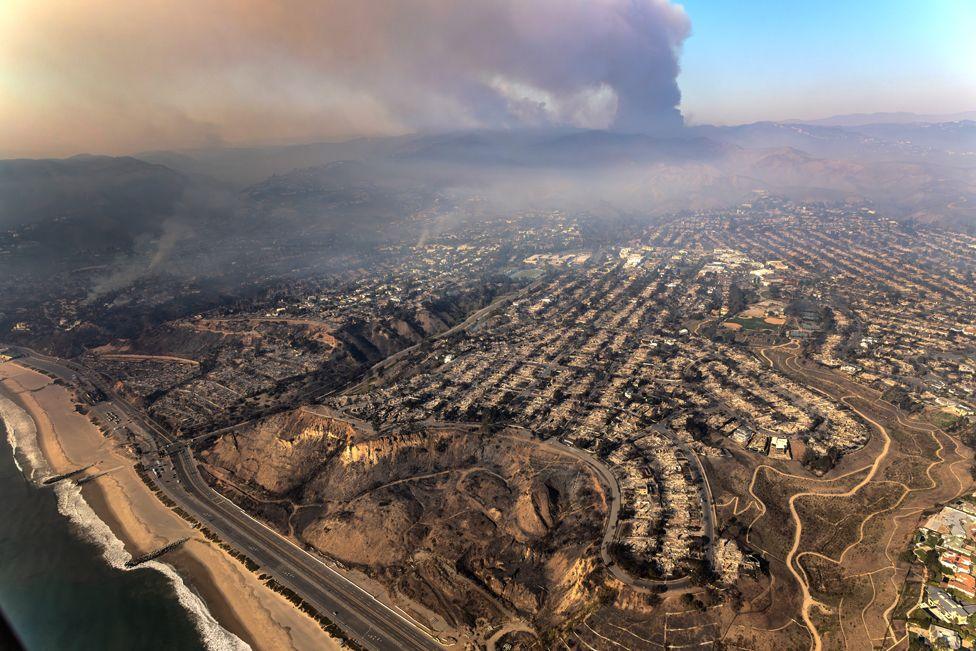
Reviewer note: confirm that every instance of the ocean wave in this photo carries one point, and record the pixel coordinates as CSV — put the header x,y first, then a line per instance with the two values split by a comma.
x,y
72,505
22,436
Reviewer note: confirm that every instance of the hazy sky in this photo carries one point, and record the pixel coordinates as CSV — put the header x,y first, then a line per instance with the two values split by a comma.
x,y
110,77
750,60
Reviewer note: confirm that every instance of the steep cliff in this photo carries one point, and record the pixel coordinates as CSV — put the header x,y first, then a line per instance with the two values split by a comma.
x,y
281,452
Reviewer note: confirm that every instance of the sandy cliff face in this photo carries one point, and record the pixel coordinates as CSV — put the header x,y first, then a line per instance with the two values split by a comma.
x,y
281,452
477,527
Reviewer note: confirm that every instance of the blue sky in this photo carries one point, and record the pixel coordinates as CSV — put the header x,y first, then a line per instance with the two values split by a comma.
x,y
765,59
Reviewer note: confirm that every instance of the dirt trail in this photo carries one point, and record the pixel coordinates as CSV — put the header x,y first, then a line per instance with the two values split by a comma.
x,y
881,416
808,600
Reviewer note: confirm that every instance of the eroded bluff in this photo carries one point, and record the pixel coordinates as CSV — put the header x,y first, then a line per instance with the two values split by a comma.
x,y
477,527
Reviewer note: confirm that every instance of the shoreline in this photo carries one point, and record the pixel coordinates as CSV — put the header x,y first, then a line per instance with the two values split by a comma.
x,y
188,567
256,617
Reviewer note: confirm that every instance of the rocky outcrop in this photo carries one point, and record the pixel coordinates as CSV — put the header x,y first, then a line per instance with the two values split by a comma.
x,y
280,453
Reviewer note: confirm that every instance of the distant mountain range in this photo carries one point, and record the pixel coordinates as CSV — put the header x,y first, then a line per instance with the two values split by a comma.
x,y
100,189
906,166
861,119
951,143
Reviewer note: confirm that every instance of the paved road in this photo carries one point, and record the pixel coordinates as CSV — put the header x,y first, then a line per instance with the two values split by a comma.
x,y
704,487
707,503
612,522
364,618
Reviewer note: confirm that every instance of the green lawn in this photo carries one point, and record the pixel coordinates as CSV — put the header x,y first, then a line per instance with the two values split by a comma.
x,y
752,323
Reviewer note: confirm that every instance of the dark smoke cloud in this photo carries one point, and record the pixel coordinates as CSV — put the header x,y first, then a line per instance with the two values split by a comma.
x,y
108,74
581,62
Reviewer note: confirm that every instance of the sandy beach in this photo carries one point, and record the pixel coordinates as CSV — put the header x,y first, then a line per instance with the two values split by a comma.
x,y
233,595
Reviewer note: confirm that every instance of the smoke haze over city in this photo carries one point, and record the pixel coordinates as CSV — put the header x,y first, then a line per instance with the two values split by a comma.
x,y
488,325
108,77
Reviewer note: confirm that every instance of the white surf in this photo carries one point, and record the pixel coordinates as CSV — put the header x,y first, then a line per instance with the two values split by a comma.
x,y
22,436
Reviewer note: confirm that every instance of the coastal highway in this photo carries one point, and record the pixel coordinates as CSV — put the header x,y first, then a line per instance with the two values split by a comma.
x,y
371,623
365,619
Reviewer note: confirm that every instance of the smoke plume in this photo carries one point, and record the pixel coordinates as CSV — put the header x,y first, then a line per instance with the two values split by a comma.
x,y
153,74
147,258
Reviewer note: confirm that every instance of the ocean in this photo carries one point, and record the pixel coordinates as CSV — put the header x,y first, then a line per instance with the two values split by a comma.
x,y
63,584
